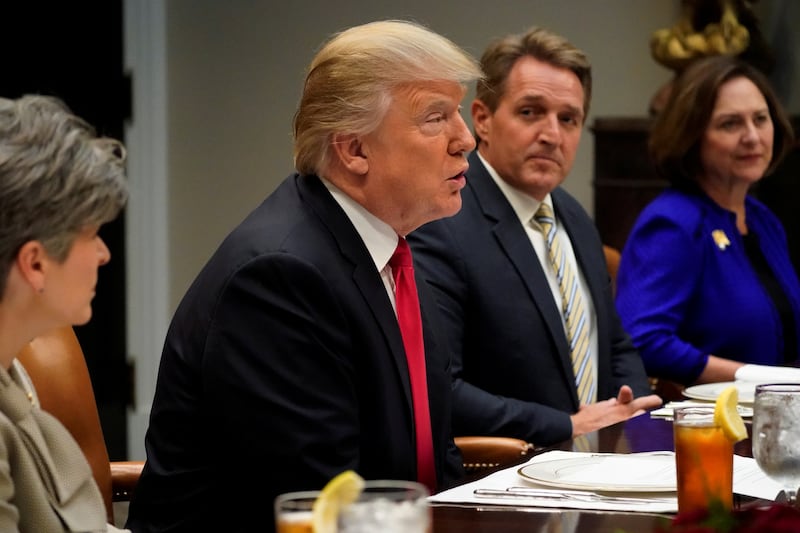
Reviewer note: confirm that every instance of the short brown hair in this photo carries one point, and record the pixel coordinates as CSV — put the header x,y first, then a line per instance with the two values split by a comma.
x,y
500,56
678,130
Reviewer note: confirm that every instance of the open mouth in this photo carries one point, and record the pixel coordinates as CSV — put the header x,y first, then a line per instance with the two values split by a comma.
x,y
460,175
460,178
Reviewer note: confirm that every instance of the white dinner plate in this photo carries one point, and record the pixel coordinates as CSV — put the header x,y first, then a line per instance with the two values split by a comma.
x,y
668,410
710,391
612,472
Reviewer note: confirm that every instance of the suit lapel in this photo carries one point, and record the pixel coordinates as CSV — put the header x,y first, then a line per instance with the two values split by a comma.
x,y
515,244
366,278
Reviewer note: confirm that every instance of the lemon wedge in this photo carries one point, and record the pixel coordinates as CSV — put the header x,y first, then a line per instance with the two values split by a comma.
x,y
726,414
339,492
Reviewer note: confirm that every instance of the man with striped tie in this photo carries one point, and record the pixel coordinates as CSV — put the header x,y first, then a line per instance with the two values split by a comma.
x,y
519,272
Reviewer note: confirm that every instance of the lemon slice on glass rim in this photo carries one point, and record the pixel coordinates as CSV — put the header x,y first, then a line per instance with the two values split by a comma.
x,y
726,414
339,492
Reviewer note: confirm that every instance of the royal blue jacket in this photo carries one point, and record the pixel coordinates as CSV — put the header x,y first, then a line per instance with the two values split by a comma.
x,y
686,289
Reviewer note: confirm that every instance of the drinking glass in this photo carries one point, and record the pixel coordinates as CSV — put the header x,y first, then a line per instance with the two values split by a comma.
x,y
384,506
293,511
776,434
388,506
703,460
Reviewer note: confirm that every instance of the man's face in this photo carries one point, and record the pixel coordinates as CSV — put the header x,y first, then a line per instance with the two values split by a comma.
x,y
532,136
416,157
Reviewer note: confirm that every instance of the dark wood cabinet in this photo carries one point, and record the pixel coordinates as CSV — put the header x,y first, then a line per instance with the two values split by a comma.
x,y
624,178
625,181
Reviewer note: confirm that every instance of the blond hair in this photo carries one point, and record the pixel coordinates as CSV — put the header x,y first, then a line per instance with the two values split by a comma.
x,y
349,82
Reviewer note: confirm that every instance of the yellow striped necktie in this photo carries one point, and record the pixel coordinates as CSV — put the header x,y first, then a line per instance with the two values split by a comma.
x,y
575,316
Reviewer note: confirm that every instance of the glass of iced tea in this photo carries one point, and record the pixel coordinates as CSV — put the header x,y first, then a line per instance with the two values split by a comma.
x,y
293,511
703,460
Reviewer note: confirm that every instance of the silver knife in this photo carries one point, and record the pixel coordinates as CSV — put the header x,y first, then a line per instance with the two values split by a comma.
x,y
530,493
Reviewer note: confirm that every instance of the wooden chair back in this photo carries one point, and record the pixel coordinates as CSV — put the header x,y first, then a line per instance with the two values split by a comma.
x,y
483,453
57,367
612,263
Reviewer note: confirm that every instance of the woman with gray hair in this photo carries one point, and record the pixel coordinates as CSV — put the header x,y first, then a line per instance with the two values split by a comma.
x,y
59,183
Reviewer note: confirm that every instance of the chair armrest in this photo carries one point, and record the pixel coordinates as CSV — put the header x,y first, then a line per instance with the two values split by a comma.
x,y
484,452
124,476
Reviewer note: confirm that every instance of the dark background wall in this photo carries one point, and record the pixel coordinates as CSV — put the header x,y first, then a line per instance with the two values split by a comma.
x,y
73,50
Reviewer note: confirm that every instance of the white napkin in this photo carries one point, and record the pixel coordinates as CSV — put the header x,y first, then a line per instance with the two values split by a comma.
x,y
766,374
748,479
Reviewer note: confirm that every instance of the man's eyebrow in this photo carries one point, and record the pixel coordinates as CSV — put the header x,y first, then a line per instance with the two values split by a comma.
x,y
531,98
536,98
439,104
575,110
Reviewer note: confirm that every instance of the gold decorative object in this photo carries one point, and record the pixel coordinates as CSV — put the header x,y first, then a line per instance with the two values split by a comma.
x,y
720,239
677,46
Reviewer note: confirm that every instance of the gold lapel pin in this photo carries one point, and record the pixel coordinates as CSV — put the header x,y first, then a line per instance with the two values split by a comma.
x,y
720,239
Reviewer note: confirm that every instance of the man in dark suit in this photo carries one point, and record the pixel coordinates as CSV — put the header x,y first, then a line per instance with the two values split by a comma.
x,y
284,364
490,265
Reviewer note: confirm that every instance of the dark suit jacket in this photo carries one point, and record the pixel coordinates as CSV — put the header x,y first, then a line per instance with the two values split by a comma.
x,y
513,375
284,366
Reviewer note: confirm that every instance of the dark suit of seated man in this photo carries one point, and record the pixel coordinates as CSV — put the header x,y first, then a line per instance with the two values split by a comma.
x,y
285,364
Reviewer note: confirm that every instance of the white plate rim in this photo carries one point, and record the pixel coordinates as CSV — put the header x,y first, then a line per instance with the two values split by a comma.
x,y
710,391
551,475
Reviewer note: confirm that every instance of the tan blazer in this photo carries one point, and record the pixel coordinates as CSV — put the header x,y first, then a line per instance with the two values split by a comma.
x,y
46,485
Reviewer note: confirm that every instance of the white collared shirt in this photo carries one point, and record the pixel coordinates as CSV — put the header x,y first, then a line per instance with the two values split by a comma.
x,y
379,238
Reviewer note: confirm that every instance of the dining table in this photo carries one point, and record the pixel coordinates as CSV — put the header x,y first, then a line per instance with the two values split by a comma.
x,y
643,433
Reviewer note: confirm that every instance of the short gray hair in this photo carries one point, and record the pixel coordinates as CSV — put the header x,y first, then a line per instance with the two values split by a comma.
x,y
56,177
349,82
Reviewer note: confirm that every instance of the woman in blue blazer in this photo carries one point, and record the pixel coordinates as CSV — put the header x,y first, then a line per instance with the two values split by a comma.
x,y
706,288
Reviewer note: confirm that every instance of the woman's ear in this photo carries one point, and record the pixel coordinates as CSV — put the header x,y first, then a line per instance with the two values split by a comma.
x,y
32,263
349,150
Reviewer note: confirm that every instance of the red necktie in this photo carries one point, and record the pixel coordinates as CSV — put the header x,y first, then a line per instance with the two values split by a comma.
x,y
410,320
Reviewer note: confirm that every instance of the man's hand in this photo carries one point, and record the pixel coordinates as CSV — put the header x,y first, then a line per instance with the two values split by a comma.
x,y
607,412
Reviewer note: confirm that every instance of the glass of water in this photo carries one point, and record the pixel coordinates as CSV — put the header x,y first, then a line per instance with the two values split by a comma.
x,y
776,434
388,506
